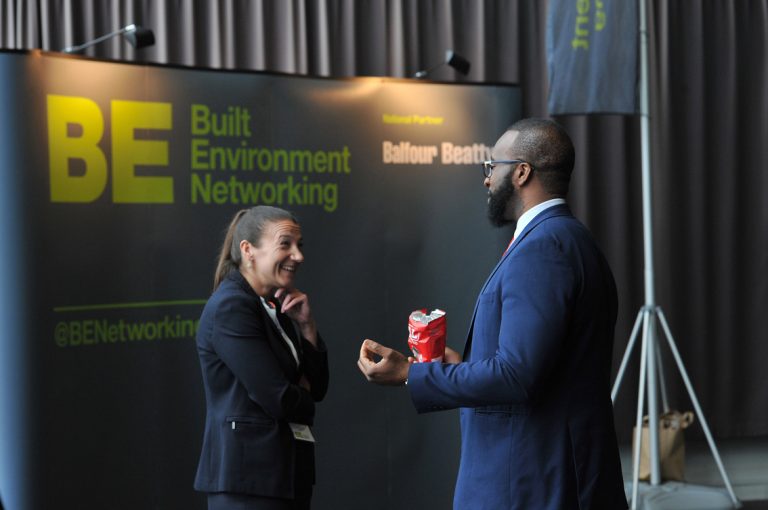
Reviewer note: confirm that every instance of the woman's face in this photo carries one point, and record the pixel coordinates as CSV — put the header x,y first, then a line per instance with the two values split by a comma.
x,y
277,256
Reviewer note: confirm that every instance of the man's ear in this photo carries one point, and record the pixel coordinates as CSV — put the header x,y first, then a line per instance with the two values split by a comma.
x,y
522,174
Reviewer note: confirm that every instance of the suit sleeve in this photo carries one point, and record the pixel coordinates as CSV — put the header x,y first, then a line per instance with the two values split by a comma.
x,y
315,360
532,307
242,344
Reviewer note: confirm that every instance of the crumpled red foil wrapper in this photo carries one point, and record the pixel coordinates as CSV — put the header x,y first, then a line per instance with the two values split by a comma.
x,y
426,335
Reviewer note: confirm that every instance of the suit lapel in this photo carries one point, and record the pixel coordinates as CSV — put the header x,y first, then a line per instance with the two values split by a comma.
x,y
279,347
277,343
290,330
557,210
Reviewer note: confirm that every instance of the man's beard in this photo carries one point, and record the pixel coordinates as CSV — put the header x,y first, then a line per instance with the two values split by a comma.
x,y
500,202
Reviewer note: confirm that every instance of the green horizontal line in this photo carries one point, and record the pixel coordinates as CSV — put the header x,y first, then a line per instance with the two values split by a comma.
x,y
140,304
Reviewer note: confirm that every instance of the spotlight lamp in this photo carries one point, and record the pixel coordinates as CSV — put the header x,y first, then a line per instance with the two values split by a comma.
x,y
452,59
137,36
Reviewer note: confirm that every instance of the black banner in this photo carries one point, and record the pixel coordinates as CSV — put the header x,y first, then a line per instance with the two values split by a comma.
x,y
118,181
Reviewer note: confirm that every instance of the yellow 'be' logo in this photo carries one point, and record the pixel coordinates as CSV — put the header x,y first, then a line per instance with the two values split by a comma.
x,y
75,128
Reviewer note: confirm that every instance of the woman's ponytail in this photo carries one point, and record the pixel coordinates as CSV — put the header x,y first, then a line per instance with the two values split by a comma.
x,y
229,258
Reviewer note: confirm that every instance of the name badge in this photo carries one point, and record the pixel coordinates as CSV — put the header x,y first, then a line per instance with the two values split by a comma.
x,y
302,432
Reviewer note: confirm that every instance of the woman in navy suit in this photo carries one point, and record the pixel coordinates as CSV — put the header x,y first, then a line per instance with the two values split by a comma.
x,y
264,366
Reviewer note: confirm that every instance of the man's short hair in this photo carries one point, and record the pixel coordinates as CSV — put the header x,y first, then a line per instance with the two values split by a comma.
x,y
547,147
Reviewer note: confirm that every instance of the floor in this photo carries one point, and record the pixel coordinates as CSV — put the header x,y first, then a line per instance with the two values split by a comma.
x,y
745,462
755,505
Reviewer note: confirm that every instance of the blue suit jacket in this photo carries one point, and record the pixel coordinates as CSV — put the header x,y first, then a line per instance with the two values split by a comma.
x,y
252,394
536,419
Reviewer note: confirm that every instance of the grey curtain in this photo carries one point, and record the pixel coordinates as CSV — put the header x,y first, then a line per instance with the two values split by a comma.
x,y
709,121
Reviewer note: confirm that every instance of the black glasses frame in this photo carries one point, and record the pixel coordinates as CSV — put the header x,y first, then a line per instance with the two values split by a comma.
x,y
488,165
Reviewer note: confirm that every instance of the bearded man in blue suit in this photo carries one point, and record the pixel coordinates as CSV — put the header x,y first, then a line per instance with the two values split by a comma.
x,y
533,383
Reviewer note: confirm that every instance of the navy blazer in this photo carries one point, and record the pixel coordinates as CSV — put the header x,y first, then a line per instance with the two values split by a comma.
x,y
252,394
536,414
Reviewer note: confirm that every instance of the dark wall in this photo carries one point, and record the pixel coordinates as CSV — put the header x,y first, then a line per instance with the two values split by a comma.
x,y
116,269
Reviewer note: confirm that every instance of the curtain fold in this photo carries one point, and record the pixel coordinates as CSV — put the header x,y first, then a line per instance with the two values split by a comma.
x,y
709,118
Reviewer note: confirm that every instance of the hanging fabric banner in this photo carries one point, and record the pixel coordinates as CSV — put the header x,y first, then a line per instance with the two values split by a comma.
x,y
592,48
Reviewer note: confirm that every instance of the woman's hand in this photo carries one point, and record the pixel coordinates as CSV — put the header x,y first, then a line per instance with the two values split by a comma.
x,y
295,304
304,383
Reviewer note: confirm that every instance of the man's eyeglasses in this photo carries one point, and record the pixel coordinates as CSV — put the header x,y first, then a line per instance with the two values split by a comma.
x,y
489,165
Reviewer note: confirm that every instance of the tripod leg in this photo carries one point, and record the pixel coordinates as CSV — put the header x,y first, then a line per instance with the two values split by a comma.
x,y
625,359
662,382
654,462
640,400
697,407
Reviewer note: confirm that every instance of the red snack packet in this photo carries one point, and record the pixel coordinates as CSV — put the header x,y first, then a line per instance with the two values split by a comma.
x,y
426,335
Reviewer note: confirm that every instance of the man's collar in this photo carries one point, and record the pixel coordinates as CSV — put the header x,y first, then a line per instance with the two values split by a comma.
x,y
534,211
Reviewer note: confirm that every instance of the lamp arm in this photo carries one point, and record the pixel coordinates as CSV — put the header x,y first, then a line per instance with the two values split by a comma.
x,y
75,49
423,73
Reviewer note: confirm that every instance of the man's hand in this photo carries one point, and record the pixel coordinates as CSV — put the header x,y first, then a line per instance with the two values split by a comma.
x,y
451,356
391,369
